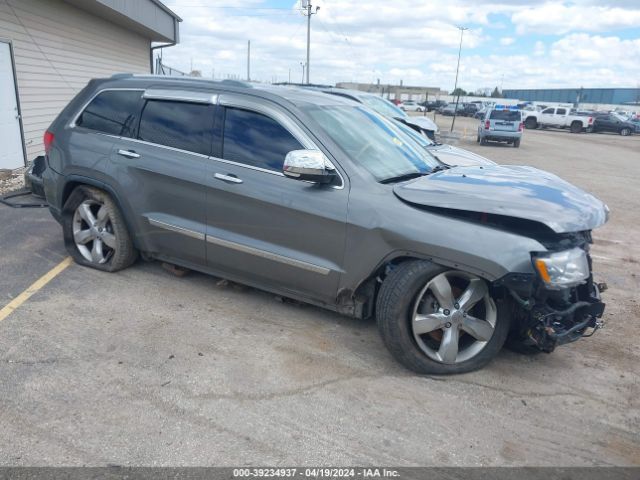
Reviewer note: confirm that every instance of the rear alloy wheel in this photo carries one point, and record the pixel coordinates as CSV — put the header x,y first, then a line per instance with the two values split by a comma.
x,y
439,321
95,232
576,127
625,132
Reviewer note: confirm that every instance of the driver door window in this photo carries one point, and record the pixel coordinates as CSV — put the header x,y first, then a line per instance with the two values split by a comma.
x,y
256,140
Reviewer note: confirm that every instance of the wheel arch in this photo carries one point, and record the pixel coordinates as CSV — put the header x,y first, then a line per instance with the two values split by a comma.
x,y
74,181
363,295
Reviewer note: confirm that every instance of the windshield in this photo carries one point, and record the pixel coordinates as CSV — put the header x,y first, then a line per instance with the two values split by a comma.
x,y
379,145
382,106
619,116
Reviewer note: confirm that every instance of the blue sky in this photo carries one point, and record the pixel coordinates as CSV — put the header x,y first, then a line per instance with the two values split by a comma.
x,y
516,43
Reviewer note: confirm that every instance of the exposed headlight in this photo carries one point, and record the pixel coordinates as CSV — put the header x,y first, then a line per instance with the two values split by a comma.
x,y
563,269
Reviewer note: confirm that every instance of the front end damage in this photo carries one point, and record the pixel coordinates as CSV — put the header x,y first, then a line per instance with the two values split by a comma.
x,y
545,317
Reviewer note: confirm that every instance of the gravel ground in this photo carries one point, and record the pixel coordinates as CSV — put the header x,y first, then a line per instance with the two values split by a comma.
x,y
14,181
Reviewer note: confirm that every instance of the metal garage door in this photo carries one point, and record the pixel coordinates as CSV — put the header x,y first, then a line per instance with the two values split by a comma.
x,y
11,150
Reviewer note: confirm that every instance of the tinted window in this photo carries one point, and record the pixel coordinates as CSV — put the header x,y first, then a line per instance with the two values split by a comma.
x,y
112,112
508,115
255,139
549,110
187,126
561,111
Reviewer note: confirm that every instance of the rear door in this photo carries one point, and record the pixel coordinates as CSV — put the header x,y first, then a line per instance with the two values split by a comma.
x,y
263,227
163,172
559,118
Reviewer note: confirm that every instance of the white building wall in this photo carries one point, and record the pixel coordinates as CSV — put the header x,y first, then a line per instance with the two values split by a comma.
x,y
58,48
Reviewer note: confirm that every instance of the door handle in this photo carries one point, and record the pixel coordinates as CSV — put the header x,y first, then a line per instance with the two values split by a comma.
x,y
228,178
128,153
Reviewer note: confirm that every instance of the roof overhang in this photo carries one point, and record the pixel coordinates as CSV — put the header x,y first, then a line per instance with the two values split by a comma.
x,y
149,18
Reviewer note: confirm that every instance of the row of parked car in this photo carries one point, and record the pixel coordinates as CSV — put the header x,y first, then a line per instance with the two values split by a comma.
x,y
581,121
576,121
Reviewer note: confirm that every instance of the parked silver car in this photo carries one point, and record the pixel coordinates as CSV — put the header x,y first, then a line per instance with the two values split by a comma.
x,y
501,124
321,199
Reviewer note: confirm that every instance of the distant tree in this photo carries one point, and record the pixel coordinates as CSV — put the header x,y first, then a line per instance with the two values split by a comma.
x,y
459,91
195,73
496,93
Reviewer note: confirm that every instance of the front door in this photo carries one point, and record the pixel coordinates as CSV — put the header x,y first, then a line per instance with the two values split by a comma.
x,y
266,228
12,152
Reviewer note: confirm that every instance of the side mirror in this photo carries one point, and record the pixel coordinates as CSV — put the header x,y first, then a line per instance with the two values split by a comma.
x,y
309,165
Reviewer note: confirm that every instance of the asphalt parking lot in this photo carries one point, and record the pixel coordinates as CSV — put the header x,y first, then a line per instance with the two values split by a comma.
x,y
145,368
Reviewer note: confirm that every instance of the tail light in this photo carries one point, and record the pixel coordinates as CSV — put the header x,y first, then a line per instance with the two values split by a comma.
x,y
590,120
487,125
48,141
521,127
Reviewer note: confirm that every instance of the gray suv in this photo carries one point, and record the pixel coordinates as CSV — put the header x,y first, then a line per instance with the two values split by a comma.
x,y
321,199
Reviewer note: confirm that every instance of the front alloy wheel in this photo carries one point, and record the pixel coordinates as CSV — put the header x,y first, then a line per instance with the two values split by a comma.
x,y
452,325
440,321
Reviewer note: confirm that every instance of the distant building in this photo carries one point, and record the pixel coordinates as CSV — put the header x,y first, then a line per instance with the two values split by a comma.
x,y
395,92
608,96
50,49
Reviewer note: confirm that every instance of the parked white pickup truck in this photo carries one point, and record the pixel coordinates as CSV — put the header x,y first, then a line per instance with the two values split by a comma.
x,y
557,117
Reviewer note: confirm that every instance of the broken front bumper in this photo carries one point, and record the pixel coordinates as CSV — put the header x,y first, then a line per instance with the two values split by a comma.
x,y
546,319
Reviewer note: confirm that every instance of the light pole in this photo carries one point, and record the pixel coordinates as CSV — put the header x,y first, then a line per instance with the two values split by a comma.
x,y
306,5
455,87
302,65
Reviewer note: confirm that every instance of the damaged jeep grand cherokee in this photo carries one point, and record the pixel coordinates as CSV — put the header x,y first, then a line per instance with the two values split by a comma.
x,y
321,199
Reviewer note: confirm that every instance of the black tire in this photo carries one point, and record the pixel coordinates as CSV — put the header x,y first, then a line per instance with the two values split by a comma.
x,y
393,314
516,143
576,127
478,138
531,123
123,255
483,141
625,132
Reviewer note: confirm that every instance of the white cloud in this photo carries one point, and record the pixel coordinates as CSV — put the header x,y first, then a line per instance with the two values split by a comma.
x,y
402,40
558,18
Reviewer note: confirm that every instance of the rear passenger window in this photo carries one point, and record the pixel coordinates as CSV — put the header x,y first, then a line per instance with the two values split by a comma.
x,y
561,111
112,112
549,111
187,126
255,139
507,115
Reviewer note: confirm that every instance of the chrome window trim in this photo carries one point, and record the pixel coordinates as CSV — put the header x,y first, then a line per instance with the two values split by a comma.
x,y
241,101
250,167
81,110
176,229
180,96
268,255
167,147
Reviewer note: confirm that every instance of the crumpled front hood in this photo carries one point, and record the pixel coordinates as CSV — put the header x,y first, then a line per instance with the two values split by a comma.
x,y
514,191
455,156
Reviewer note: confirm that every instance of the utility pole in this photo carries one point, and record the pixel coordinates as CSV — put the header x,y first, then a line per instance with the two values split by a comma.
x,y
248,60
302,64
455,87
306,6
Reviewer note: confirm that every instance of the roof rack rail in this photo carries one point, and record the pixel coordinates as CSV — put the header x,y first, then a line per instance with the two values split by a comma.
x,y
122,75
